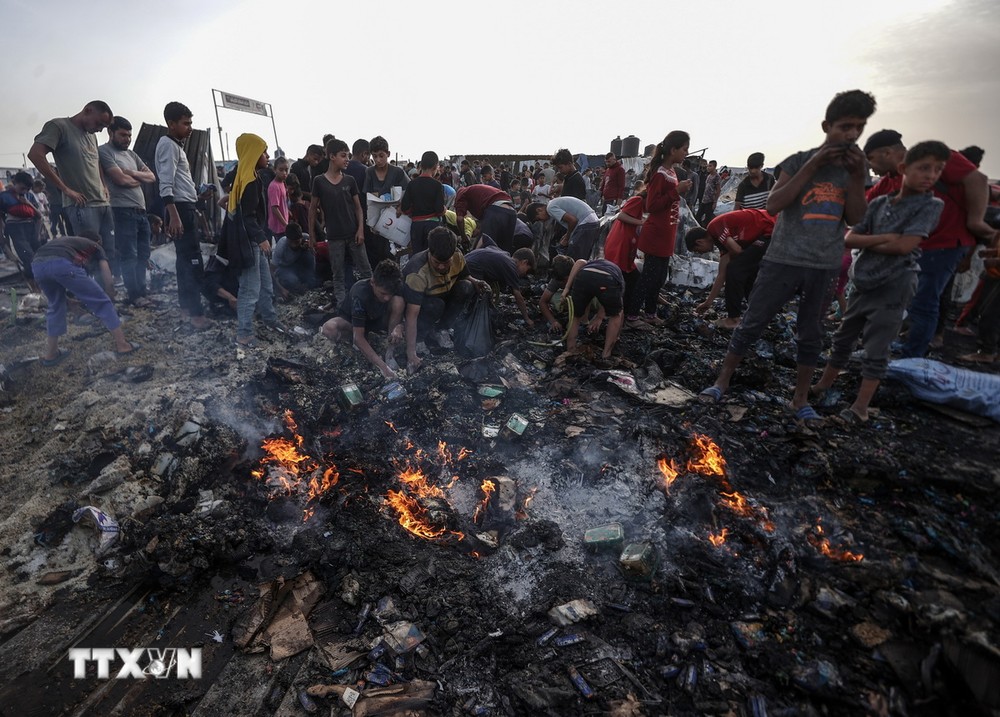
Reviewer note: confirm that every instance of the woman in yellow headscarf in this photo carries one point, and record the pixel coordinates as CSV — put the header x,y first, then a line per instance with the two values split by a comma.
x,y
248,209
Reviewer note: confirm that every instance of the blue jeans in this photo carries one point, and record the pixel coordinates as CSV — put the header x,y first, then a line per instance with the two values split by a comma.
x,y
132,241
55,277
256,290
100,220
936,267
299,275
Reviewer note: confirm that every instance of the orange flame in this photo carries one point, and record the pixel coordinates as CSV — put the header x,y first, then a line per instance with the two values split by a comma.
x,y
417,486
669,471
717,539
738,503
413,516
706,458
818,540
285,468
488,487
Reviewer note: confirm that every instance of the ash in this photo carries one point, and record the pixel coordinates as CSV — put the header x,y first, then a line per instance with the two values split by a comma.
x,y
838,571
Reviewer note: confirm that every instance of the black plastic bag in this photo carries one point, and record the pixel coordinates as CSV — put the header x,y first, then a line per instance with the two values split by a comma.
x,y
475,334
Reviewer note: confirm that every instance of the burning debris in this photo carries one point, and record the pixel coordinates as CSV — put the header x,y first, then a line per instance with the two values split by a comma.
x,y
514,535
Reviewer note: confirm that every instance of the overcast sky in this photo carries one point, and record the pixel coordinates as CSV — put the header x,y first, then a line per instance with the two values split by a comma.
x,y
513,77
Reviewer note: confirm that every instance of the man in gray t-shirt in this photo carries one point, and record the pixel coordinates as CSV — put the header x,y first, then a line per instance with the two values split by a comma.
x,y
126,173
72,143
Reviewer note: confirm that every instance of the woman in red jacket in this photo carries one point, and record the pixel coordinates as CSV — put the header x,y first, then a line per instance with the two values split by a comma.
x,y
659,232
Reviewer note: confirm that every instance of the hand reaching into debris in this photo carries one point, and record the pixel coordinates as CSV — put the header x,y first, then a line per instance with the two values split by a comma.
x,y
702,307
555,327
413,364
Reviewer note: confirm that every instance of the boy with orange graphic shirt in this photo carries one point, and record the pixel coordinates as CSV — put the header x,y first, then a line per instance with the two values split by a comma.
x,y
819,192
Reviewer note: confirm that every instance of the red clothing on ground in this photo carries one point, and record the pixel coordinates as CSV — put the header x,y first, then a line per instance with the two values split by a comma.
x,y
951,231
744,226
663,204
623,240
475,198
613,186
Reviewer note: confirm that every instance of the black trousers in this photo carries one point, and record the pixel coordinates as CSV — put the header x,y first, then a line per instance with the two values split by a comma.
x,y
740,277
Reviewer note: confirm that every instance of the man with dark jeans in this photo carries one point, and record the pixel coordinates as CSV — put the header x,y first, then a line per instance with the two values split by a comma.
x,y
493,210
126,173
178,192
965,192
72,143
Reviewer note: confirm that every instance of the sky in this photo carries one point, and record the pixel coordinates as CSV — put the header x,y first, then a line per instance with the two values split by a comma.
x,y
514,77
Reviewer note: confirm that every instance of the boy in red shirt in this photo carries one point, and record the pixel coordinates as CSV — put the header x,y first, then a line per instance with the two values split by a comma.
x,y
742,238
620,249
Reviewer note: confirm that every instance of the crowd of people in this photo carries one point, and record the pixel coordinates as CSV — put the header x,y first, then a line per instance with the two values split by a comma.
x,y
810,229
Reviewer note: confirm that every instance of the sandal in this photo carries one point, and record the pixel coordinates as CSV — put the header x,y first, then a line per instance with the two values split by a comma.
x,y
808,417
133,348
850,419
63,353
712,394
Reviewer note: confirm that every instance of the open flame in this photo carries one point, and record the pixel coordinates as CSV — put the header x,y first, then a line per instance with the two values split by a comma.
x,y
489,488
718,539
706,457
287,469
817,538
418,489
669,471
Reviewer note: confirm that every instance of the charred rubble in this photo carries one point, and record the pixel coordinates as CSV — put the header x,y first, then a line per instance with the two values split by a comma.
x,y
527,533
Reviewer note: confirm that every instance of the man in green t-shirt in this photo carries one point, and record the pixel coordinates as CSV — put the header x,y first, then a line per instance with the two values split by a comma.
x,y
72,141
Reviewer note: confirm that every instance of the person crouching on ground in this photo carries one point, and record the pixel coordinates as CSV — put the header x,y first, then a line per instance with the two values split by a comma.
x,y
437,287
374,304
885,274
583,281
59,266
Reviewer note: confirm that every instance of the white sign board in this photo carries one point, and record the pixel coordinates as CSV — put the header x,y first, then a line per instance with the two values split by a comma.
x,y
243,104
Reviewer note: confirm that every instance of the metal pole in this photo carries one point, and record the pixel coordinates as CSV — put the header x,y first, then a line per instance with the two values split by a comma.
x,y
222,146
270,111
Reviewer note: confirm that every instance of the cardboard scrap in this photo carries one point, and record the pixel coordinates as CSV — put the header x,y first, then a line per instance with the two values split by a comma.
x,y
278,620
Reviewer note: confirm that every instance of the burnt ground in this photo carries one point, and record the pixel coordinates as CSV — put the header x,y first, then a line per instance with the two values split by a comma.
x,y
762,623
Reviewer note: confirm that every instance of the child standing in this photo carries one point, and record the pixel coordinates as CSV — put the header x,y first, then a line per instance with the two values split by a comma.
x,y
620,249
336,193
277,199
885,274
423,202
663,205
818,192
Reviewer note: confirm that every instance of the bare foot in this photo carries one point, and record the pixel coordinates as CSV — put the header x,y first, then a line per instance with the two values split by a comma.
x,y
728,323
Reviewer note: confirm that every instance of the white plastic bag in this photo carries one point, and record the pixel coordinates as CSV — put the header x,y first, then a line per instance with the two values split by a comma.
x,y
960,388
395,229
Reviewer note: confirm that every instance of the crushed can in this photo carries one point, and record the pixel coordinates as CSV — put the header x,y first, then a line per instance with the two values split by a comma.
x,y
516,425
608,537
491,391
349,396
393,391
581,684
638,561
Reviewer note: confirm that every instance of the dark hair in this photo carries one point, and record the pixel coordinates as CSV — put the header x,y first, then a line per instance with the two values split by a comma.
x,y
465,163
609,155
23,178
334,146
90,234
279,161
327,137
974,154
293,231
531,211
441,243
99,106
154,219
923,150
563,156
387,275
378,144
118,123
853,103
686,163
428,160
562,265
38,184
487,169
712,162
693,235
175,112
292,181
525,254
675,140
360,146
755,160
315,149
